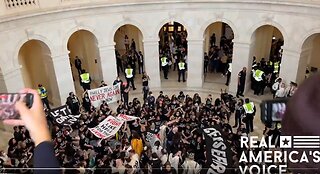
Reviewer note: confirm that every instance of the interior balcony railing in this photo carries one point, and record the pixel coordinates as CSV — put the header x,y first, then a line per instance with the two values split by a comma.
x,y
21,7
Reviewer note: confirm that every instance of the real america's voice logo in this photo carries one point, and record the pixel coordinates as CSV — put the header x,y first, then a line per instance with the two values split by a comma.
x,y
303,149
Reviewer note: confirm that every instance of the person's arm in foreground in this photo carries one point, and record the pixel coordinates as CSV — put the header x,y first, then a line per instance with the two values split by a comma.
x,y
35,121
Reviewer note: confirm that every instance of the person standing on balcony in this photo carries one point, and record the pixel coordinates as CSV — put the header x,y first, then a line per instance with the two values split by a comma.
x,y
78,64
126,42
133,46
140,62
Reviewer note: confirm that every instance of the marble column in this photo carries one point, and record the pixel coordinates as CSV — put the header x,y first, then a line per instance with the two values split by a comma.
x,y
3,87
151,62
108,63
241,58
13,80
195,63
289,69
64,80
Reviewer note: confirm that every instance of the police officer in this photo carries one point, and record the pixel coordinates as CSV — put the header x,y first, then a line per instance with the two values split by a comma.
x,y
182,70
250,111
229,73
165,66
241,81
73,104
44,96
259,80
85,80
129,76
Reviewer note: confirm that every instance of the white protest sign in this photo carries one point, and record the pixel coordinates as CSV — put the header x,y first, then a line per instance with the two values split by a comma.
x,y
124,117
110,94
107,128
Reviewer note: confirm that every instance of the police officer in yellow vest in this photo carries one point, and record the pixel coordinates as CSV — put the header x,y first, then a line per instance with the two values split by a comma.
x,y
129,76
259,77
182,70
165,66
276,67
250,111
85,80
44,96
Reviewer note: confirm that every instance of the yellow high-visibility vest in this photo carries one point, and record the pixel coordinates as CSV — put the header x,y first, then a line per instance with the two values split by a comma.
x,y
164,61
42,92
129,72
276,67
248,108
258,75
181,65
85,78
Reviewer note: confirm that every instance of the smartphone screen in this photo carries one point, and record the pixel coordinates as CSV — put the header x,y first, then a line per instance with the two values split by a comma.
x,y
7,104
273,110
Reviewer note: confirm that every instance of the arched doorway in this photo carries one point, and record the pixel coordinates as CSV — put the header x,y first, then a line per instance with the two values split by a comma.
x,y
309,59
37,68
84,45
129,51
218,51
173,45
266,54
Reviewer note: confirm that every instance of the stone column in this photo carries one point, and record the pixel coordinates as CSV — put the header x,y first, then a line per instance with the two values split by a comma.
x,y
108,63
195,63
289,69
64,80
241,58
151,62
13,80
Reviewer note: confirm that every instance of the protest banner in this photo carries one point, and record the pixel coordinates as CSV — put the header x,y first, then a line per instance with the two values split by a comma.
x,y
63,116
124,117
107,128
109,94
218,152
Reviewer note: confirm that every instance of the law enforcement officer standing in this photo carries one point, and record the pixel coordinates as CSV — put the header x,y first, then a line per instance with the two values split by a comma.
x,y
85,80
129,77
241,81
182,70
165,66
250,111
229,73
44,96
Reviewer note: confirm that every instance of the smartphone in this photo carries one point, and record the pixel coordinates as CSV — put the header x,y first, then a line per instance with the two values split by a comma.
x,y
272,111
8,101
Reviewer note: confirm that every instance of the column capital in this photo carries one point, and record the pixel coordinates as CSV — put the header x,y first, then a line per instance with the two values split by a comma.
x,y
241,44
10,72
291,51
106,47
152,41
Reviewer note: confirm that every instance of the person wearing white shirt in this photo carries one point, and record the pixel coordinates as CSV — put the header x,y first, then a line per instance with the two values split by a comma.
x,y
190,166
281,92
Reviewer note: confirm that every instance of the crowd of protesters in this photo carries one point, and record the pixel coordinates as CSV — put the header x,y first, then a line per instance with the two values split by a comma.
x,y
176,122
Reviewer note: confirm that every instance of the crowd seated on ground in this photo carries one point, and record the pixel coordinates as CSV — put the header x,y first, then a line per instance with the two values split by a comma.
x,y
176,121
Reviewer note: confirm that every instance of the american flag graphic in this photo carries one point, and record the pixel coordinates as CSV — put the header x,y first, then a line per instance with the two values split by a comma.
x,y
306,142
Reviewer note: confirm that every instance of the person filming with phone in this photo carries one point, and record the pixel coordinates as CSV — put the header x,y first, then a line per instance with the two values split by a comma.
x,y
34,120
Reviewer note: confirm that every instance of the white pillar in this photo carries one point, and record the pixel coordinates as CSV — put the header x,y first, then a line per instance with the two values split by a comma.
x,y
64,79
3,87
195,63
108,63
241,58
13,80
289,68
304,61
151,62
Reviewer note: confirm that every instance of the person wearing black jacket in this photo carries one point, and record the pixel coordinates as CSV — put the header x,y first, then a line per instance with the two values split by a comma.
x,y
35,121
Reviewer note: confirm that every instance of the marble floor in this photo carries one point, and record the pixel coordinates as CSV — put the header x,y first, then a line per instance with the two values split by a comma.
x,y
213,83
